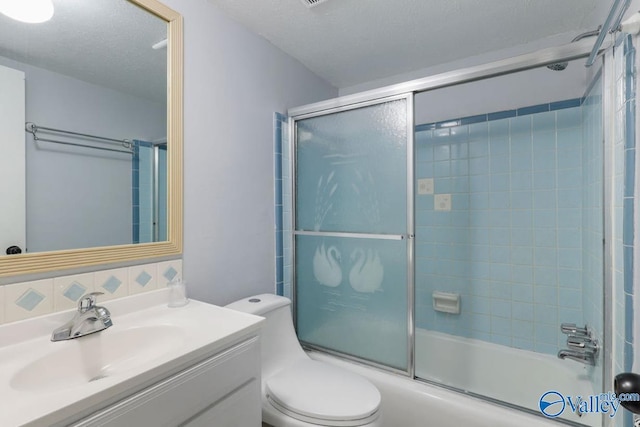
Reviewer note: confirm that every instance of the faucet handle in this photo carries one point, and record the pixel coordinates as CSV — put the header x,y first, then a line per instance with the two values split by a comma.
x,y
582,343
88,301
572,329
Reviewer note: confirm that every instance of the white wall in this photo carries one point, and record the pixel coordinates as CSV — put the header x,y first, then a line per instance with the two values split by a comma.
x,y
484,58
77,197
556,40
234,82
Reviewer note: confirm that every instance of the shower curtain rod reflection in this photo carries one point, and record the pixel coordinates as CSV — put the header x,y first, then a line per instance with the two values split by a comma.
x,y
34,129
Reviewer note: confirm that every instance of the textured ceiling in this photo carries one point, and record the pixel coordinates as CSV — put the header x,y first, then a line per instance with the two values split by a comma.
x,y
105,42
348,42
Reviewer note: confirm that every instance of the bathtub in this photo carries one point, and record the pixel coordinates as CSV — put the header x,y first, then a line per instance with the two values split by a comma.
x,y
482,368
500,372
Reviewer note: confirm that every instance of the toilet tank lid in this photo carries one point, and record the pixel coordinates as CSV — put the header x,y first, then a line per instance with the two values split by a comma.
x,y
259,304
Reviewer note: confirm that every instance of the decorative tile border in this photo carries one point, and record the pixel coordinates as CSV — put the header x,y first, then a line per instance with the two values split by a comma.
x,y
142,278
481,118
68,290
28,299
112,283
168,271
24,300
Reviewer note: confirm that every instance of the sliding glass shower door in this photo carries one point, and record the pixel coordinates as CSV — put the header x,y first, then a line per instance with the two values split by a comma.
x,y
352,230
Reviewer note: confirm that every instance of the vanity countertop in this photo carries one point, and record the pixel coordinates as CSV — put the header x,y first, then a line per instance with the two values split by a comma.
x,y
43,383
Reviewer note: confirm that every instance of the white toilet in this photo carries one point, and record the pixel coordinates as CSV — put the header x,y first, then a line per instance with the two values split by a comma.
x,y
298,391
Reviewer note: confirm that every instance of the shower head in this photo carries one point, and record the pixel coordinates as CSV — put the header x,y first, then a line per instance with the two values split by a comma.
x,y
558,66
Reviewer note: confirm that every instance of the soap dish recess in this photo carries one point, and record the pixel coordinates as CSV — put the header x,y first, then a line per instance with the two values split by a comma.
x,y
446,302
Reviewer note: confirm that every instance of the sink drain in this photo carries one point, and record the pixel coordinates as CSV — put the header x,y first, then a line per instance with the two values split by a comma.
x,y
97,377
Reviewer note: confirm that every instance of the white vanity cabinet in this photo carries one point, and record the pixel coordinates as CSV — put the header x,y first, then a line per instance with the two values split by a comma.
x,y
222,391
196,365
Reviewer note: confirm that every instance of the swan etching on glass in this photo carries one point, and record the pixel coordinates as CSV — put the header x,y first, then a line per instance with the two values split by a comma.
x,y
324,203
367,272
366,196
326,266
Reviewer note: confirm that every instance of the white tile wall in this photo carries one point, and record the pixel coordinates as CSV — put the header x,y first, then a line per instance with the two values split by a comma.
x,y
24,300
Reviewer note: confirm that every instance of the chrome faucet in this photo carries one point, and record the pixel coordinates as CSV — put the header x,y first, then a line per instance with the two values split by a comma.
x,y
89,318
583,346
578,356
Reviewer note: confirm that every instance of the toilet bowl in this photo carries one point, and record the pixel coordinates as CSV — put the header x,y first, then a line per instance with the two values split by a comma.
x,y
298,391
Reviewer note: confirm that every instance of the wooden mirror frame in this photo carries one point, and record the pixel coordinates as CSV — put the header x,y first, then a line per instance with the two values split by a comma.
x,y
39,262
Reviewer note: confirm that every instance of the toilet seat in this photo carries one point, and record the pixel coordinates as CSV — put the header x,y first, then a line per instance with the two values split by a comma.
x,y
321,394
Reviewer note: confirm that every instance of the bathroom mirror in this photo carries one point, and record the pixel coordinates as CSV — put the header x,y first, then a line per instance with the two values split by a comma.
x,y
110,50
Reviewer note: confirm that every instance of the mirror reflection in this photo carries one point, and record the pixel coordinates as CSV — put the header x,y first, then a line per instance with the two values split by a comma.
x,y
83,122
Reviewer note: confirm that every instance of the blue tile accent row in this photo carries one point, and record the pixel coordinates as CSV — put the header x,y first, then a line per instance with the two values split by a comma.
x,y
279,121
473,119
628,356
569,103
30,299
502,115
533,109
628,324
628,269
481,118
628,224
74,291
143,278
170,273
112,284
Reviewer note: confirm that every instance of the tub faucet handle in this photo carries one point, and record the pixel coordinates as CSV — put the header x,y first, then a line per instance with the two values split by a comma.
x,y
586,344
572,329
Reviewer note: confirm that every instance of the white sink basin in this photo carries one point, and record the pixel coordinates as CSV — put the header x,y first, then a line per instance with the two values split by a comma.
x,y
97,356
44,383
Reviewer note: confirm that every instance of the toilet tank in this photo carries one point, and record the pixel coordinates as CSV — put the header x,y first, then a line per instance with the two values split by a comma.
x,y
279,343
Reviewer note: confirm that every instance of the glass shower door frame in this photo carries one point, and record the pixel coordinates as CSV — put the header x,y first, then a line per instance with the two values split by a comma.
x,y
408,237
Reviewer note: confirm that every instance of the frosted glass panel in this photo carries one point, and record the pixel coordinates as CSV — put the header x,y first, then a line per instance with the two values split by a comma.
x,y
352,296
352,170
